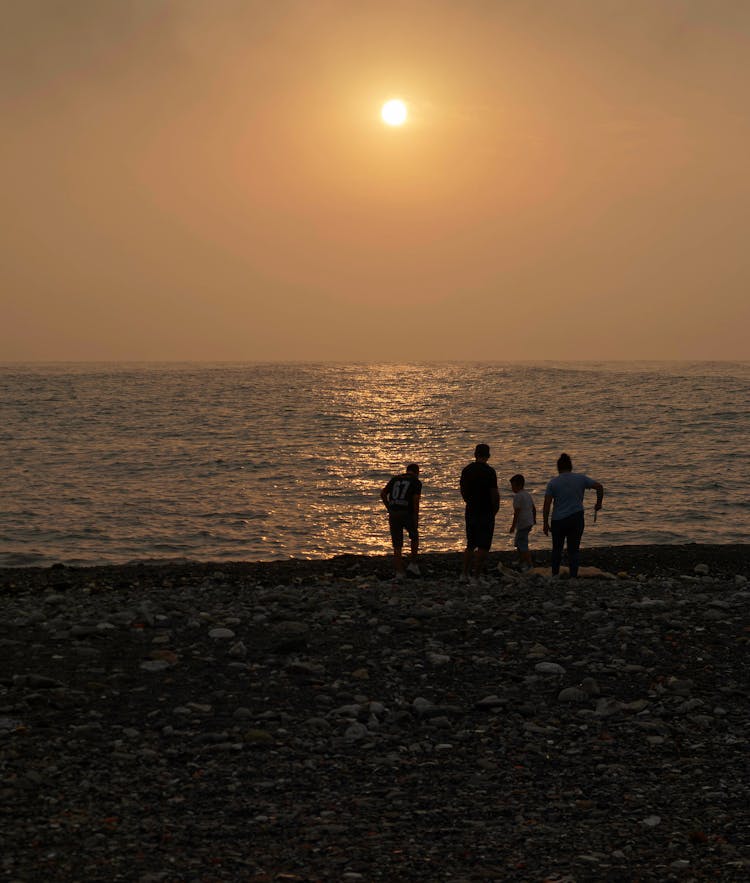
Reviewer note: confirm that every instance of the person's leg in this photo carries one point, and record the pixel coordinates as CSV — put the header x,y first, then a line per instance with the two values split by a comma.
x,y
467,560
484,544
413,566
396,525
522,544
414,537
398,559
469,550
575,532
558,541
479,558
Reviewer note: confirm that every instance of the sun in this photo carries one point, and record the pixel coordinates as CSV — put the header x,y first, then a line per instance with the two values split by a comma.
x,y
394,112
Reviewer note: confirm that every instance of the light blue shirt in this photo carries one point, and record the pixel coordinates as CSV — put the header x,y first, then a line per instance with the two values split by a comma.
x,y
566,490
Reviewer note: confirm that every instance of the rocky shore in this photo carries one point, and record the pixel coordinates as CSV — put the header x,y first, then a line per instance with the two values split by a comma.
x,y
316,721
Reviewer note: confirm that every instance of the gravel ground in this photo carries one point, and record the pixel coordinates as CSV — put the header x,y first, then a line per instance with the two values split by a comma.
x,y
315,721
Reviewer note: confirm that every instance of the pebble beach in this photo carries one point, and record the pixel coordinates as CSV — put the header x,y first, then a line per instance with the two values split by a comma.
x,y
318,721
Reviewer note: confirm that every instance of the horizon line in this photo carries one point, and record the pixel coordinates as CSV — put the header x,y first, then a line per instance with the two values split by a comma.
x,y
13,362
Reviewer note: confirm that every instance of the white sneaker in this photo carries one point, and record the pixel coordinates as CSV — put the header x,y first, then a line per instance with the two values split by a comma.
x,y
413,569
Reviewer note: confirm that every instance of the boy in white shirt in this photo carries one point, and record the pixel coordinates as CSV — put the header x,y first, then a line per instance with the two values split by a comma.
x,y
524,518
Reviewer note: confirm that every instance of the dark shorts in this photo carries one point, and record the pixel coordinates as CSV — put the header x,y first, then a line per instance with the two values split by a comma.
x,y
480,526
400,522
522,539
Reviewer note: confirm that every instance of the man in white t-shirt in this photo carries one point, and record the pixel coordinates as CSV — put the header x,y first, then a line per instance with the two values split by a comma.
x,y
567,490
524,518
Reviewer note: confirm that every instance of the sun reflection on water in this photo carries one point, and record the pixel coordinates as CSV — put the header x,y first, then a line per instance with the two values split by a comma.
x,y
267,461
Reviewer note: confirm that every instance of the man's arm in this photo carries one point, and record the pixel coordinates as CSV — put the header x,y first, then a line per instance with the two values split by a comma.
x,y
463,489
599,488
533,512
415,507
384,496
545,512
495,500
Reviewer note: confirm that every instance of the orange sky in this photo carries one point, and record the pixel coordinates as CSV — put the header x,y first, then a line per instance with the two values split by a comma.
x,y
211,180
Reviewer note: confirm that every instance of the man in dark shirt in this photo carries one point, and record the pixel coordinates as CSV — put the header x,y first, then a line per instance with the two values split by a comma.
x,y
480,493
401,498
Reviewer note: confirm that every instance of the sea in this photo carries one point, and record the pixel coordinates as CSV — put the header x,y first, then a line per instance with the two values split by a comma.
x,y
121,462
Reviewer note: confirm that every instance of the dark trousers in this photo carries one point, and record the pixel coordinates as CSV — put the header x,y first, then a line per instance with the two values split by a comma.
x,y
568,530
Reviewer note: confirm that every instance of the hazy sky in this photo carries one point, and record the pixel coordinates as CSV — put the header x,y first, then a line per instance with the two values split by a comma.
x,y
210,179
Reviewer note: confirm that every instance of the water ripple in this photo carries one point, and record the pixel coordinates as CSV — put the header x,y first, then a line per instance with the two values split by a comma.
x,y
110,463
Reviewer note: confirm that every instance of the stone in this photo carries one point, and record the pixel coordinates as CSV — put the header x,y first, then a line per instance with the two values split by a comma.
x,y
421,705
549,668
355,732
221,634
109,770
438,659
572,694
238,650
154,665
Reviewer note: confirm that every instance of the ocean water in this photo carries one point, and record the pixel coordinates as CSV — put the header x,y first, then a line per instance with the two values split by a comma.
x,y
108,463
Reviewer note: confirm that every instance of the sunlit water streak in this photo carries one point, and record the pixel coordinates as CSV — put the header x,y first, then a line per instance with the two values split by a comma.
x,y
115,462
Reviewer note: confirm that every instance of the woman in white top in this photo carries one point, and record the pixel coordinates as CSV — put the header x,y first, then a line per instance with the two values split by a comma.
x,y
567,490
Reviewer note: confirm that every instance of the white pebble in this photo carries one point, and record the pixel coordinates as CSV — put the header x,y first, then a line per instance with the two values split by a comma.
x,y
221,634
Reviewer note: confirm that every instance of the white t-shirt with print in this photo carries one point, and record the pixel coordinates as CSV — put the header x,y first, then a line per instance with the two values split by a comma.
x,y
524,504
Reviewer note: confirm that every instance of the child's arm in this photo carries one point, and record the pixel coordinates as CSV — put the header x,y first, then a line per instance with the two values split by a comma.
x,y
515,519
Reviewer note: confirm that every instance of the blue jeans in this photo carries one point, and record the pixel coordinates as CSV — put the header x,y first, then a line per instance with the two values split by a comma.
x,y
568,529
